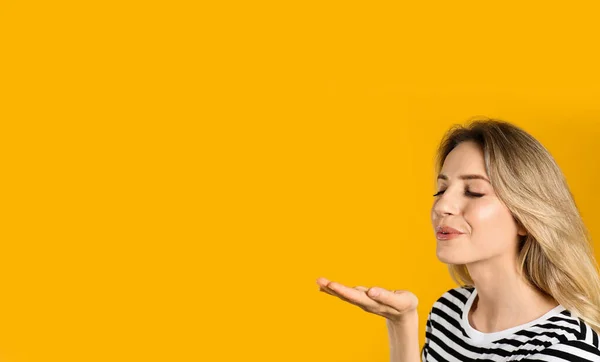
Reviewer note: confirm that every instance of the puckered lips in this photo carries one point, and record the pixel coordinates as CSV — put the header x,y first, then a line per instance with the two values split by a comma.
x,y
445,232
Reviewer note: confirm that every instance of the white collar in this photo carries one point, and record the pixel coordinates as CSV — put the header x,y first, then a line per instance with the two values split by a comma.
x,y
479,338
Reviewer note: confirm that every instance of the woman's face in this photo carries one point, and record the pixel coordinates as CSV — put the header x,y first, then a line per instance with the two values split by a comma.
x,y
466,202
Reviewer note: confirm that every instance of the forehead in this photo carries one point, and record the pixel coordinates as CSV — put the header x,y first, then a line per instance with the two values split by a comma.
x,y
466,158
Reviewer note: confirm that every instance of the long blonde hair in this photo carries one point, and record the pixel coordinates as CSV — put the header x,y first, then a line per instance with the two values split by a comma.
x,y
556,255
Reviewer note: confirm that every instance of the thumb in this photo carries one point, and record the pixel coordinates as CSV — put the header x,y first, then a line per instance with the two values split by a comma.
x,y
376,292
388,297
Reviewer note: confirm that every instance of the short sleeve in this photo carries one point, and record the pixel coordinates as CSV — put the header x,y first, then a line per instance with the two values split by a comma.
x,y
574,350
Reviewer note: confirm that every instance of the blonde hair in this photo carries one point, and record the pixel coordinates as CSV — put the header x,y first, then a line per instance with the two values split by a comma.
x,y
556,255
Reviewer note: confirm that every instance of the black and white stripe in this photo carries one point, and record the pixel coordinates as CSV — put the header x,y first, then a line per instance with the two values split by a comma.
x,y
559,336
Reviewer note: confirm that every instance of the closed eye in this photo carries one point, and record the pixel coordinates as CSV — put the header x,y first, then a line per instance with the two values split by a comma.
x,y
467,193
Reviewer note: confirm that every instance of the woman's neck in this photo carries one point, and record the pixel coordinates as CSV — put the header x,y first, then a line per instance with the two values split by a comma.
x,y
504,298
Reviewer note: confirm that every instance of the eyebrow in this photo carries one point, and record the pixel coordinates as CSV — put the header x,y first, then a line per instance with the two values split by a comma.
x,y
464,177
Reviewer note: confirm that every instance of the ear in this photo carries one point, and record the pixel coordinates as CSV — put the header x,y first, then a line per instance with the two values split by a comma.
x,y
521,229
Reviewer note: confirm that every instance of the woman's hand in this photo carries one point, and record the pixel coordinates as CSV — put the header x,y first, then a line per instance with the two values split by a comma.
x,y
393,305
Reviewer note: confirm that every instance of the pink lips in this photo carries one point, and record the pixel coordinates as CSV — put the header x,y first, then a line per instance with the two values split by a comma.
x,y
447,233
442,236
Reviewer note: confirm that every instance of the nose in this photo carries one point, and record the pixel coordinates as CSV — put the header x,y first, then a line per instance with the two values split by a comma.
x,y
445,204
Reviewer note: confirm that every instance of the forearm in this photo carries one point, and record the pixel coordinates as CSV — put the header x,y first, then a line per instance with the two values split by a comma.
x,y
404,339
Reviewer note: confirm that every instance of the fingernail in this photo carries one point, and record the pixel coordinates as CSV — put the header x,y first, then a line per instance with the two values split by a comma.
x,y
373,292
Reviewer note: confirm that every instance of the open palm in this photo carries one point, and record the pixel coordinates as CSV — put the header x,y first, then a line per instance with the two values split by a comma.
x,y
392,305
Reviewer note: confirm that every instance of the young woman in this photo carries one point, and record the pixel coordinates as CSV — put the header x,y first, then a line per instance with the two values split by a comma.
x,y
508,228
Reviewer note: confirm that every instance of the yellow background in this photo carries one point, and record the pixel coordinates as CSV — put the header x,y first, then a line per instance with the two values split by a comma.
x,y
178,174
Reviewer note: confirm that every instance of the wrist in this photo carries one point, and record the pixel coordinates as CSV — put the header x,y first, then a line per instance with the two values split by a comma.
x,y
408,318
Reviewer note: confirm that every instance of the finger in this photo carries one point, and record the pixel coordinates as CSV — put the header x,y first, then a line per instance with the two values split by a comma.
x,y
367,304
331,292
378,308
354,296
327,290
324,286
387,298
322,282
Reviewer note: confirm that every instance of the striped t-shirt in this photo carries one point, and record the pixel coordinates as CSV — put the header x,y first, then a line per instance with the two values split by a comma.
x,y
555,336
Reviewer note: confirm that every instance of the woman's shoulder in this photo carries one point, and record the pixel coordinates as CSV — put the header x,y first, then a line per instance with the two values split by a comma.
x,y
571,348
569,338
451,303
456,296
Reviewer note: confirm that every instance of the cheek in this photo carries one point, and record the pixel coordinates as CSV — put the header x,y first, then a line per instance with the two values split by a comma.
x,y
490,219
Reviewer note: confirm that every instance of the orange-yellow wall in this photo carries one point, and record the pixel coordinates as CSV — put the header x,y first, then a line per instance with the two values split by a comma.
x,y
177,174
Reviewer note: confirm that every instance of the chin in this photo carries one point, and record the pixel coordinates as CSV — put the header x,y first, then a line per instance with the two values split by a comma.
x,y
448,258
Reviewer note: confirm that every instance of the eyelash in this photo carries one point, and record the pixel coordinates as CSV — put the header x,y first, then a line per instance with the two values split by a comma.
x,y
467,192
